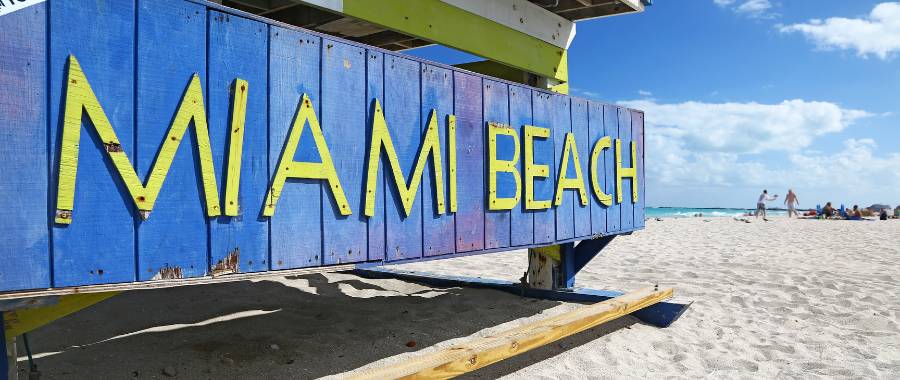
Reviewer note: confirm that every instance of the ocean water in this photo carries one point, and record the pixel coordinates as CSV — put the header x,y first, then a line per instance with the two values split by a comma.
x,y
687,212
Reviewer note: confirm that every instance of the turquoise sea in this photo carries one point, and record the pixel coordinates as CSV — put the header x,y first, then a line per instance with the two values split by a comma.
x,y
687,212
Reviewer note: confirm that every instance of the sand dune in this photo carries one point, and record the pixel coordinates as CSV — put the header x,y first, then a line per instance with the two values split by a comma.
x,y
788,298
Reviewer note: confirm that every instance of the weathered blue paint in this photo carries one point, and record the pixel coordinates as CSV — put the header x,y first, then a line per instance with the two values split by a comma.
x,y
520,116
637,130
343,125
627,204
175,235
100,248
375,90
496,109
470,155
544,220
24,247
581,131
597,131
561,125
402,100
139,59
611,126
242,43
437,95
296,237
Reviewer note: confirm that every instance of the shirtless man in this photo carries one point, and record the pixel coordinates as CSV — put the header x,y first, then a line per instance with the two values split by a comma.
x,y
791,200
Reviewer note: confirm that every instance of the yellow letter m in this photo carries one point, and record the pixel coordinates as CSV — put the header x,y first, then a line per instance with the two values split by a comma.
x,y
80,97
431,146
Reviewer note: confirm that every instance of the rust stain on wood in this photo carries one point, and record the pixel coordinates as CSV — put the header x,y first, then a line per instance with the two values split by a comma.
x,y
229,264
169,273
113,147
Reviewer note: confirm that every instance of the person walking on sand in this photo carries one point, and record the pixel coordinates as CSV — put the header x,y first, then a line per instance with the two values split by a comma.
x,y
761,204
791,200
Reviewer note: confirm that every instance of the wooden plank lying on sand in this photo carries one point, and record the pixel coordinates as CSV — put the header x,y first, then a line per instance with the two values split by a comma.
x,y
469,356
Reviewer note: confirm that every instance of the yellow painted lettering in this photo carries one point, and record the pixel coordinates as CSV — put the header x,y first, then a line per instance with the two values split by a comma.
x,y
502,166
564,183
431,146
451,156
626,172
235,150
288,168
533,170
604,143
80,98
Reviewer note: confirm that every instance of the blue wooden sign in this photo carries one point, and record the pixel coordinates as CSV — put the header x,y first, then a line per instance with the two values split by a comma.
x,y
144,142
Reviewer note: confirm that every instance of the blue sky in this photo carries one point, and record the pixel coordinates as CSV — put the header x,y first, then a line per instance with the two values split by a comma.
x,y
742,95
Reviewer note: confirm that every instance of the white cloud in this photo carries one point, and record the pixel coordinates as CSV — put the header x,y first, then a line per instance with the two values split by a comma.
x,y
744,128
754,8
854,167
718,154
645,93
749,8
877,34
584,93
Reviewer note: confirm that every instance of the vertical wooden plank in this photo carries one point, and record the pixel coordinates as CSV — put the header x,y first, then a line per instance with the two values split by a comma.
x,y
470,162
172,45
496,110
402,104
375,90
627,199
597,131
560,125
582,138
99,245
24,247
296,228
344,127
238,47
522,220
611,126
437,94
544,220
637,130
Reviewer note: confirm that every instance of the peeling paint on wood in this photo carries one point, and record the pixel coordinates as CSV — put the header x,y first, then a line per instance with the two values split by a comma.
x,y
228,265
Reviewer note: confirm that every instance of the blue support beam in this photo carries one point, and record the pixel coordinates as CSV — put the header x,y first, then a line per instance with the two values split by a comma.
x,y
660,315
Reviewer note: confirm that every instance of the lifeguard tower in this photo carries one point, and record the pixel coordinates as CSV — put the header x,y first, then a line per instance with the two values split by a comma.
x,y
371,157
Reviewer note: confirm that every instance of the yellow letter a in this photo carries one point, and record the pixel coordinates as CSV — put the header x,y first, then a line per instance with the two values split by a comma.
x,y
288,168
576,183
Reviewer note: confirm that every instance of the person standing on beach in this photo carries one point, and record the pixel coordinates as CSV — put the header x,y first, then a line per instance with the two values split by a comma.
x,y
791,200
761,204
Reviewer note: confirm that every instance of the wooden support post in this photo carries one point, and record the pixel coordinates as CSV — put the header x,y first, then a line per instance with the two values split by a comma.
x,y
477,353
554,267
551,267
9,369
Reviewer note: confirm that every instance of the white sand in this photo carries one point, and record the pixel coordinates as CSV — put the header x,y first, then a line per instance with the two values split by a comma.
x,y
788,298
785,298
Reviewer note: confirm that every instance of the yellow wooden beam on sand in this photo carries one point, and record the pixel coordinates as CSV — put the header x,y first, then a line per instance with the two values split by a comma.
x,y
481,352
18,322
